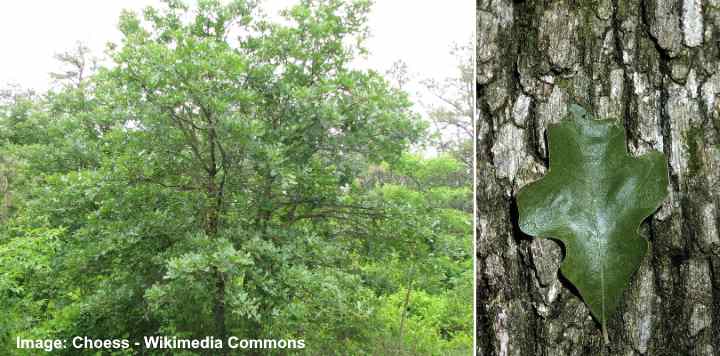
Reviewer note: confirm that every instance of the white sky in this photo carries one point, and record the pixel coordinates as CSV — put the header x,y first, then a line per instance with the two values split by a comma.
x,y
419,32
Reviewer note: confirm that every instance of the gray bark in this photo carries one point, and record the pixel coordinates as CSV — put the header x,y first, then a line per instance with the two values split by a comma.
x,y
655,66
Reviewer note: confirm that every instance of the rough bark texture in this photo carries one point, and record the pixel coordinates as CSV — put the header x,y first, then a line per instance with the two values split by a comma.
x,y
655,66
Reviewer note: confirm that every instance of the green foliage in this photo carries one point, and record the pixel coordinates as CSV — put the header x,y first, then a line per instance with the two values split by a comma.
x,y
593,199
225,160
434,324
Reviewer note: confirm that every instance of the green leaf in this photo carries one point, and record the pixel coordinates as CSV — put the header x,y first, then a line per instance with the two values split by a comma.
x,y
593,199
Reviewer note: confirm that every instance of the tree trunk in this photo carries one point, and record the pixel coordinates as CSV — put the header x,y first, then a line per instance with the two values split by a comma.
x,y
655,66
211,230
5,194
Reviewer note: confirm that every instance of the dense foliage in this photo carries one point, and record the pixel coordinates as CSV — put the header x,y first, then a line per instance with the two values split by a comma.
x,y
228,175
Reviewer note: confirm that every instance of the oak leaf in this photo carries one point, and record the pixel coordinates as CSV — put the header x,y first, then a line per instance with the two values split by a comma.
x,y
593,199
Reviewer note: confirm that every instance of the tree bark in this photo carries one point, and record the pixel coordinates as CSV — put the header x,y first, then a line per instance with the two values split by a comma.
x,y
655,66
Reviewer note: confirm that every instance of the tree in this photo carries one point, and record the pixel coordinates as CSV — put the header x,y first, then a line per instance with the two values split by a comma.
x,y
652,65
79,64
208,100
452,116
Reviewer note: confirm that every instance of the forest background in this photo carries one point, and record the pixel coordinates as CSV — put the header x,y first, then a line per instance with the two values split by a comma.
x,y
224,172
